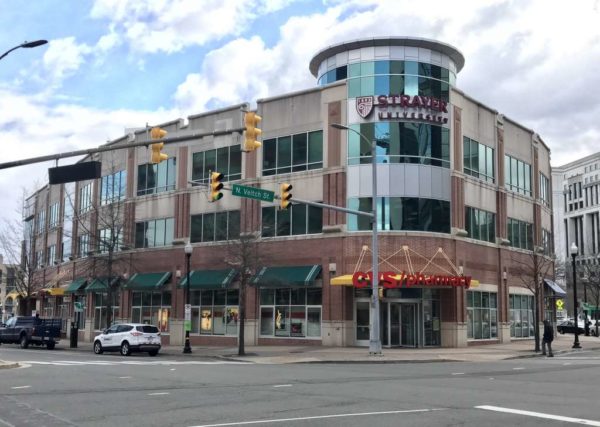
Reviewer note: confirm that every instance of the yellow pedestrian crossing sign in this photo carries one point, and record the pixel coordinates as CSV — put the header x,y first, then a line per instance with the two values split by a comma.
x,y
560,304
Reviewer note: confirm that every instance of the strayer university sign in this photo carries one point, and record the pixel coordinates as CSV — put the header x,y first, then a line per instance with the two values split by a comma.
x,y
404,107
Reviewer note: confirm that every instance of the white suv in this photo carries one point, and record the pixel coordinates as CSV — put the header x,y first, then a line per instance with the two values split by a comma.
x,y
129,337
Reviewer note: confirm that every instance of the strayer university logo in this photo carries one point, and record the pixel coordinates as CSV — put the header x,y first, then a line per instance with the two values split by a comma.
x,y
364,105
404,107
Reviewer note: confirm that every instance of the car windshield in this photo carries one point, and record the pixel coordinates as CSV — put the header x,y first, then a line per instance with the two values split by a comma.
x,y
147,329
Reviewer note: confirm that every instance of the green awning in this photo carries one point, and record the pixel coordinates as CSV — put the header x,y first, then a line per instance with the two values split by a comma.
x,y
76,285
100,285
282,277
209,279
147,281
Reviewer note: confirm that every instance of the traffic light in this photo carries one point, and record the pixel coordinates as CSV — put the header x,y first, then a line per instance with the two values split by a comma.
x,y
216,186
285,195
251,120
157,155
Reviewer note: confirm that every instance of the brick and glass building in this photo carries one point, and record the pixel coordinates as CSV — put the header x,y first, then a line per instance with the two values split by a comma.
x,y
463,201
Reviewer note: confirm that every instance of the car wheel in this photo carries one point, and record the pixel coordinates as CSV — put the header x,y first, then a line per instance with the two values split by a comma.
x,y
24,342
98,348
50,345
125,350
153,353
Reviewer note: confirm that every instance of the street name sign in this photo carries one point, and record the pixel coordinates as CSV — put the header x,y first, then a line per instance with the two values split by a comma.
x,y
253,193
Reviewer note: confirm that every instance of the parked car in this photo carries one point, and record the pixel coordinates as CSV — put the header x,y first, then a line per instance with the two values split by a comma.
x,y
127,338
568,327
26,330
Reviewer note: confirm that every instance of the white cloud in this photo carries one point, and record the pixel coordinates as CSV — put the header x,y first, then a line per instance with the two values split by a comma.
x,y
533,62
63,58
38,130
170,26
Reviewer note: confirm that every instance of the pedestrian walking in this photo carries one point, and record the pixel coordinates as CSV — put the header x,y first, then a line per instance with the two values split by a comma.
x,y
548,338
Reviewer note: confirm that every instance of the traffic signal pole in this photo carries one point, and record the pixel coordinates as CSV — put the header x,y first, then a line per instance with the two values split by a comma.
x,y
114,147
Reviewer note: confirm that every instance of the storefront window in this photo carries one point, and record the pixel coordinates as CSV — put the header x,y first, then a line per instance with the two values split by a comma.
x,y
152,308
521,316
215,312
482,315
294,312
100,306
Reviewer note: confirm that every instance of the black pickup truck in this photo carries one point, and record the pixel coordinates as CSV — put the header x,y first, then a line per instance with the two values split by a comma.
x,y
25,330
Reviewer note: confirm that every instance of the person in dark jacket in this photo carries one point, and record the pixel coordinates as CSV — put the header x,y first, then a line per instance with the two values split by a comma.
x,y
548,338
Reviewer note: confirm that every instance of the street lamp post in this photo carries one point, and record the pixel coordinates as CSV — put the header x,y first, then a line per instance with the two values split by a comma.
x,y
187,348
574,251
25,45
374,335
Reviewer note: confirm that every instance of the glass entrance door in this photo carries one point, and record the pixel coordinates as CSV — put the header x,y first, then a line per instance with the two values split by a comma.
x,y
408,325
402,324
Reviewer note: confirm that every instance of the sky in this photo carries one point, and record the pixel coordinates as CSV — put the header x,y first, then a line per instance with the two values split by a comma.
x,y
112,65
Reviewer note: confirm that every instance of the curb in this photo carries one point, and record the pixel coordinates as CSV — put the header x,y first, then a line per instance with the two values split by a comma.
x,y
340,362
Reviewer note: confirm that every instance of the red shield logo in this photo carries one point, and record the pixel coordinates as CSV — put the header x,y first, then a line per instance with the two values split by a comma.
x,y
364,106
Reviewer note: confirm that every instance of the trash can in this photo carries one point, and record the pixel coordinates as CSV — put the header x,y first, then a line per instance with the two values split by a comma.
x,y
74,335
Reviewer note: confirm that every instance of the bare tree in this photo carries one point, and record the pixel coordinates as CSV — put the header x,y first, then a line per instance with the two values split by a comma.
x,y
16,243
532,268
243,254
591,283
104,224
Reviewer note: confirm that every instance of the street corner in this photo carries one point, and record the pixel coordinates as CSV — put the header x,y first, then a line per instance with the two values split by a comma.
x,y
8,365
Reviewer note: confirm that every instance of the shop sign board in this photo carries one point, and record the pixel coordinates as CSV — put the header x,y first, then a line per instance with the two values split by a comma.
x,y
391,280
403,107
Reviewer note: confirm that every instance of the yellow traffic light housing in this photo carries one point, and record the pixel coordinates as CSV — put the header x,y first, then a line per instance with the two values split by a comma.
x,y
251,120
157,155
285,195
216,186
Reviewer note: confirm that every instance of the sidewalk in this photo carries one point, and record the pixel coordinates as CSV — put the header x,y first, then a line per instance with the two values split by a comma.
x,y
319,354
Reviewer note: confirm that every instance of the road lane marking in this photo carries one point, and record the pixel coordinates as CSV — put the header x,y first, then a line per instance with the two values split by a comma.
x,y
20,387
282,385
458,373
540,415
518,369
158,394
319,417
124,378
6,423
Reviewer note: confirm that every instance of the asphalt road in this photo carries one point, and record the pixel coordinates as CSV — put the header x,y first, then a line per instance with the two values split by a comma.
x,y
62,388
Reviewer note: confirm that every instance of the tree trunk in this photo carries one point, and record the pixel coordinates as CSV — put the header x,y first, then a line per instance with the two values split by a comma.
x,y
109,295
241,350
536,327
